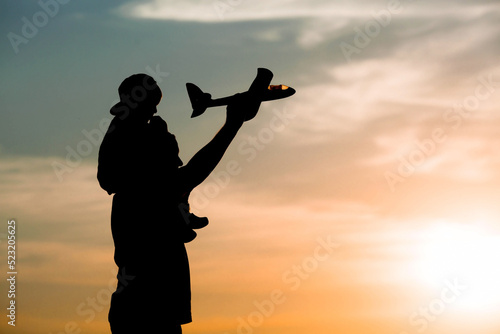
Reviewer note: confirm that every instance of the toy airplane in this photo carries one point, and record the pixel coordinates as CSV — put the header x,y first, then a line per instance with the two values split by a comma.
x,y
260,89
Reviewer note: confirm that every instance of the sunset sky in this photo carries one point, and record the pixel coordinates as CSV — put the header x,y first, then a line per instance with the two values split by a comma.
x,y
367,203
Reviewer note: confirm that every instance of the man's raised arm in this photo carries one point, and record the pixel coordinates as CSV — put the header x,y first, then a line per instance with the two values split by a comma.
x,y
205,161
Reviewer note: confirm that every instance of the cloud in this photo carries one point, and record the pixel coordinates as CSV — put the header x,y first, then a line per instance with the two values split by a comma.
x,y
241,10
218,11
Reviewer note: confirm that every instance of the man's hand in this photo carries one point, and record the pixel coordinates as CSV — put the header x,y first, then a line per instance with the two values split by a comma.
x,y
158,124
158,130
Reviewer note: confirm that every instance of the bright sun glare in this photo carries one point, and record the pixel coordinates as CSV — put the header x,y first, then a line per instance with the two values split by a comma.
x,y
469,254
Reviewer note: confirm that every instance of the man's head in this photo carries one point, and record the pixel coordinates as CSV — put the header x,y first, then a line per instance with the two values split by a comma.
x,y
139,96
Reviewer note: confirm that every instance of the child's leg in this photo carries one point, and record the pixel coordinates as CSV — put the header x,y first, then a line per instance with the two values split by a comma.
x,y
191,219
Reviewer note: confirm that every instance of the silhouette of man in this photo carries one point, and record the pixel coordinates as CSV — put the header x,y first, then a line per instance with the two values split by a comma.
x,y
138,165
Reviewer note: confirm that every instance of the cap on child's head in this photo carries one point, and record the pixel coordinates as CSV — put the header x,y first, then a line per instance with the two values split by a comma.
x,y
135,90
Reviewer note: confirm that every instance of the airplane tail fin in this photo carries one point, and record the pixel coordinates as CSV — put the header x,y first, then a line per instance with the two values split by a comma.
x,y
197,98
